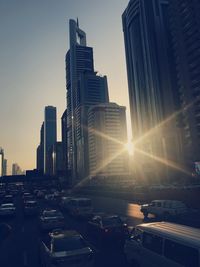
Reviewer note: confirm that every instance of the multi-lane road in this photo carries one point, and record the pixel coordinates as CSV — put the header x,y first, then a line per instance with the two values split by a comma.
x,y
21,249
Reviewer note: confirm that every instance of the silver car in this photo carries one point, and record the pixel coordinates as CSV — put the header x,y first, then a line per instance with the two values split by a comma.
x,y
66,248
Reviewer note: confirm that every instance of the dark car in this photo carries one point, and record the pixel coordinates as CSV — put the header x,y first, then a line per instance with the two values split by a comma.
x,y
107,228
51,219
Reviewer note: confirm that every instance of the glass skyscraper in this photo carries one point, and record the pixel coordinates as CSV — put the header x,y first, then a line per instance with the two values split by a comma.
x,y
153,92
84,88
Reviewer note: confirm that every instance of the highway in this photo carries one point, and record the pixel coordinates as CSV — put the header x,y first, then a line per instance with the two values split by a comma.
x,y
21,249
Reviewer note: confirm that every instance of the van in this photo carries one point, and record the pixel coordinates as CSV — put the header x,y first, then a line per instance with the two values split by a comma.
x,y
163,244
164,208
80,207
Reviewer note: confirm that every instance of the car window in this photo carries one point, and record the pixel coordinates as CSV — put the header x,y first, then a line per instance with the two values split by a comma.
x,y
152,242
53,213
182,254
68,243
158,204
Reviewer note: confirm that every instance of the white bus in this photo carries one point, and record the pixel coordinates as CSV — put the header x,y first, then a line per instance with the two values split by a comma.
x,y
163,244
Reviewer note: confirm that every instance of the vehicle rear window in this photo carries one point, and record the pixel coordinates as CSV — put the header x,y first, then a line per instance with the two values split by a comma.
x,y
68,243
153,242
84,203
182,254
111,221
31,204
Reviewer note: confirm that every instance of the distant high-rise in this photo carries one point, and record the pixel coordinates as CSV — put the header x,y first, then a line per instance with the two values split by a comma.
x,y
84,88
1,161
185,28
153,91
50,133
107,139
4,167
16,170
40,151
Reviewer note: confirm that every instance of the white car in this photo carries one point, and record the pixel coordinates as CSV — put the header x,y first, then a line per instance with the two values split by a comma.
x,y
66,248
164,208
51,219
7,209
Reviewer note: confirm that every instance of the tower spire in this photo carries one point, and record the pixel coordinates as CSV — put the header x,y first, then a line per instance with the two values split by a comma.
x,y
77,22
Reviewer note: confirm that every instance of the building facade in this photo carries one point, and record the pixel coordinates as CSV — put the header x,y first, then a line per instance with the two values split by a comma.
x,y
153,90
185,29
1,161
50,134
107,139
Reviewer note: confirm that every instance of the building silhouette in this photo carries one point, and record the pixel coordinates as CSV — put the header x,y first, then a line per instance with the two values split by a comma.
x,y
107,139
50,134
40,151
16,170
84,89
185,29
1,161
153,89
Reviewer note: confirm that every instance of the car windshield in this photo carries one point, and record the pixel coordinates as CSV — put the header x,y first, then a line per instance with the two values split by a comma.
x,y
68,243
111,221
85,203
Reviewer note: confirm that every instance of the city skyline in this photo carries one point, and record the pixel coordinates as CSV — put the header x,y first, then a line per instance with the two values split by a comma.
x,y
33,36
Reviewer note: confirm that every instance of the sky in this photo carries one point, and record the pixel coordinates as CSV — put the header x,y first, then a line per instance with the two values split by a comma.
x,y
34,38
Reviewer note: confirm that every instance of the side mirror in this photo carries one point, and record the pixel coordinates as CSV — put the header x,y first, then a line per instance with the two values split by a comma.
x,y
5,231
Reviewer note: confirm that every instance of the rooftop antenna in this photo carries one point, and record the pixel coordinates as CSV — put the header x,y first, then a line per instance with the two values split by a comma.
x,y
77,23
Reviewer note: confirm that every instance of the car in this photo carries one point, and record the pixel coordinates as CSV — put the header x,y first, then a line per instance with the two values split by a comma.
x,y
80,207
30,207
51,219
65,248
164,208
7,209
107,228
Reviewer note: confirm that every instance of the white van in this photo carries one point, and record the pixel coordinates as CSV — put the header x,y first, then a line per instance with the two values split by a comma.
x,y
164,208
80,207
163,244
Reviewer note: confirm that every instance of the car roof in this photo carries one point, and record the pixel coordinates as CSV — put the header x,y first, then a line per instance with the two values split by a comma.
x,y
6,204
174,231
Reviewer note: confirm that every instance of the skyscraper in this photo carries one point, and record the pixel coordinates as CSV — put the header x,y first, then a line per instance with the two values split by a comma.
x,y
153,91
185,28
84,88
1,161
50,133
107,139
40,151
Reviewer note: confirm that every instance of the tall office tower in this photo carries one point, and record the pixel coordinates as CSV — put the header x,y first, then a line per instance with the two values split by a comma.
x,y
84,88
57,159
1,161
40,151
64,142
107,139
50,134
4,167
153,93
185,28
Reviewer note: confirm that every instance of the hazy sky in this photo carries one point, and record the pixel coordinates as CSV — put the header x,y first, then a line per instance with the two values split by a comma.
x,y
33,43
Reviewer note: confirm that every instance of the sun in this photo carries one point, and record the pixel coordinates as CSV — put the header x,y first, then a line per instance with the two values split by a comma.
x,y
130,148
